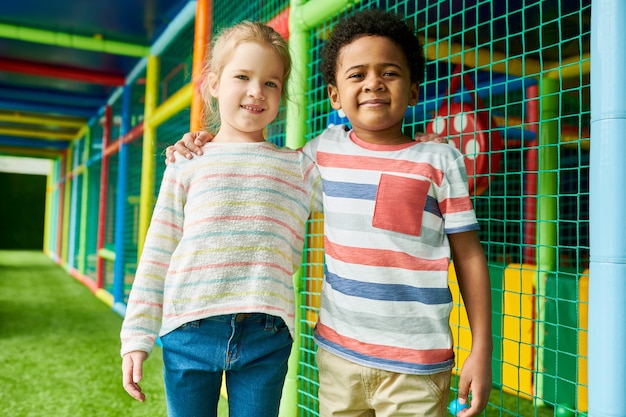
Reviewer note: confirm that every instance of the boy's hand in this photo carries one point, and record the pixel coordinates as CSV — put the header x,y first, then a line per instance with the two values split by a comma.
x,y
190,143
475,378
428,137
132,372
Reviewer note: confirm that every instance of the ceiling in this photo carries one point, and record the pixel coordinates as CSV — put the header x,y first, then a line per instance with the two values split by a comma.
x,y
48,90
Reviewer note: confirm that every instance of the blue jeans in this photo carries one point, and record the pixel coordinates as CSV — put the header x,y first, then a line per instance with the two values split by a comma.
x,y
252,350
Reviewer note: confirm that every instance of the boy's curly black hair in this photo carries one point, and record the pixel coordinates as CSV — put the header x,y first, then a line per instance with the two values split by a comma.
x,y
378,23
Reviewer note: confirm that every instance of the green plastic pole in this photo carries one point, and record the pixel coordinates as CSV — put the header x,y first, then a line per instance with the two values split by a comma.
x,y
547,214
295,137
303,17
313,13
88,43
82,242
548,180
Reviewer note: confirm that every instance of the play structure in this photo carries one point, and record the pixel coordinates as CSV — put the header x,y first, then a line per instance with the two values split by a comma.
x,y
508,82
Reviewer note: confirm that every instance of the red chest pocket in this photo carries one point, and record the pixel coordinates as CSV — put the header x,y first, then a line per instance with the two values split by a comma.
x,y
400,204
470,129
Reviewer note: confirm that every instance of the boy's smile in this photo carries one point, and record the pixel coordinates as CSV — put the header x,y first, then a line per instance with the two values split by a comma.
x,y
373,88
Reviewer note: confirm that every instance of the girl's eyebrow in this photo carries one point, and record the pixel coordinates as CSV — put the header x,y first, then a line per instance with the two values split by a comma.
x,y
247,71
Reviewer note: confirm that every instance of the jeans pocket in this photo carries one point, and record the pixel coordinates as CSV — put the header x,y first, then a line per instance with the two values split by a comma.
x,y
190,325
277,325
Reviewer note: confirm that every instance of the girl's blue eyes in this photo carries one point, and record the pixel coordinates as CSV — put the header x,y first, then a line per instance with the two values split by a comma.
x,y
245,78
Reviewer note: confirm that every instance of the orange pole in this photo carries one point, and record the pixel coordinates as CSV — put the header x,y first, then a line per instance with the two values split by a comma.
x,y
203,28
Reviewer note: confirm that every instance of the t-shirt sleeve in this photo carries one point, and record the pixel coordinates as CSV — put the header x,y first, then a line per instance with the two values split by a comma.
x,y
454,199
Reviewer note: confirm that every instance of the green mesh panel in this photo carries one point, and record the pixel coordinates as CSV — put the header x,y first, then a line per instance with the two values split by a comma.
x,y
94,167
546,40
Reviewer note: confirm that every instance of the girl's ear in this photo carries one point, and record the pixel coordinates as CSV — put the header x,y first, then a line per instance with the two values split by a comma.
x,y
333,95
414,94
213,84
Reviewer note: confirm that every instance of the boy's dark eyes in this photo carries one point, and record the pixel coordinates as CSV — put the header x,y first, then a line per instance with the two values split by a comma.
x,y
385,74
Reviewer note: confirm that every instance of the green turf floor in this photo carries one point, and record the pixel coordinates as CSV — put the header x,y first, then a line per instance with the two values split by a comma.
x,y
59,350
59,347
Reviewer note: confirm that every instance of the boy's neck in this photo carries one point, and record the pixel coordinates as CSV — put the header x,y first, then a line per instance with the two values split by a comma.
x,y
382,137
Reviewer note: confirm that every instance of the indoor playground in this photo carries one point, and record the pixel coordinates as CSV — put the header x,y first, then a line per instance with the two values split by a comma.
x,y
532,92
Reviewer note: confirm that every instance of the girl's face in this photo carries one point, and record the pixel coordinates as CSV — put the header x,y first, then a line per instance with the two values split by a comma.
x,y
248,92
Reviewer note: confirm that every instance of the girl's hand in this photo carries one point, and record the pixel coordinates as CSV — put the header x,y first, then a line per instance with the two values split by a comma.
x,y
132,373
428,137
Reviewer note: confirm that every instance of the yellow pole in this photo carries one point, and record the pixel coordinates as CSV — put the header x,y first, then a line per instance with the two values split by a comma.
x,y
67,192
146,197
176,103
48,209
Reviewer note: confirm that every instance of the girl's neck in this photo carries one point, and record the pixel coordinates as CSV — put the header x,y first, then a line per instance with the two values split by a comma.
x,y
237,137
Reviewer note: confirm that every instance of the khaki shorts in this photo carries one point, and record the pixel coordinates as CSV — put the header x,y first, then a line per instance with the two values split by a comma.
x,y
348,389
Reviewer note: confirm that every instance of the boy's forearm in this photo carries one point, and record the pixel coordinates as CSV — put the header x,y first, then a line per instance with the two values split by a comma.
x,y
475,285
476,291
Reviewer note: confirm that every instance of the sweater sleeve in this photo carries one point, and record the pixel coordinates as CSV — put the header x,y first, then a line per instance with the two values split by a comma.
x,y
312,181
144,310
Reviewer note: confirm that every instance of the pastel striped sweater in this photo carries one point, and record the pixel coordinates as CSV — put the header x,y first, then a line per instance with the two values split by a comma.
x,y
385,300
226,236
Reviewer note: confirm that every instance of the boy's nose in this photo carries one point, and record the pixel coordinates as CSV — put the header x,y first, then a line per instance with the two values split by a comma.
x,y
374,84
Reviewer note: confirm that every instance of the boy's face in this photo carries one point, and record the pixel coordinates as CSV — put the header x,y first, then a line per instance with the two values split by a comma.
x,y
373,88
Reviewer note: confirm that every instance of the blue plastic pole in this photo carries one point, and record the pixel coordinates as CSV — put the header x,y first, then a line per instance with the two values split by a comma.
x,y
607,211
120,202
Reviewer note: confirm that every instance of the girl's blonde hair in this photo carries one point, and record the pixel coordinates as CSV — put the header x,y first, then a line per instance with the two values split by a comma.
x,y
223,45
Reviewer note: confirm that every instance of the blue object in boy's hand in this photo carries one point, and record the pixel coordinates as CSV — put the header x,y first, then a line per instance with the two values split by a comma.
x,y
455,406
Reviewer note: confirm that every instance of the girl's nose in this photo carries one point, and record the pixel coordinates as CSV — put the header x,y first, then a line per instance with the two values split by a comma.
x,y
255,91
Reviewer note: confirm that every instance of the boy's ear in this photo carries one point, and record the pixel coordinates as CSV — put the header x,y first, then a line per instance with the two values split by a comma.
x,y
333,95
414,94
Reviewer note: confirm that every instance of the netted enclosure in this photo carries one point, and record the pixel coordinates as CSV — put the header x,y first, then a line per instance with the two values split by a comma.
x,y
518,71
507,82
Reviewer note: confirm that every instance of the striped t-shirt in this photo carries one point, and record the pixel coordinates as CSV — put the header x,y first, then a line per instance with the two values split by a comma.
x,y
385,300
226,236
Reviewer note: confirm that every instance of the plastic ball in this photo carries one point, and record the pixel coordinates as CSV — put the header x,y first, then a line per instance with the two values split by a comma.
x,y
455,406
564,411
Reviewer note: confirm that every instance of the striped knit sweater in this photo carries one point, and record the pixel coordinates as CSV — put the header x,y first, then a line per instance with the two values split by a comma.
x,y
226,236
388,209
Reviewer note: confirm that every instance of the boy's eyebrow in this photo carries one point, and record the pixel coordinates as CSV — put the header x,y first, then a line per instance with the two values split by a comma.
x,y
381,64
